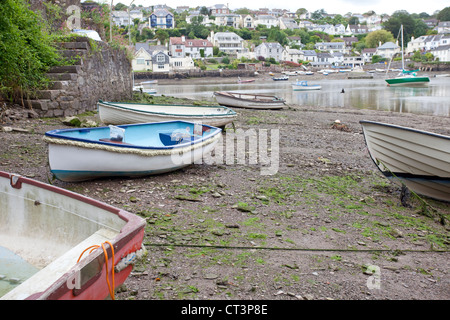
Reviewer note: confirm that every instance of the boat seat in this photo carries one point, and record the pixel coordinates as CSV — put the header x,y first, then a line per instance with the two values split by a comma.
x,y
113,141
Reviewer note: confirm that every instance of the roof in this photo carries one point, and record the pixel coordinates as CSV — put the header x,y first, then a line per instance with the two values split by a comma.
x,y
191,42
388,45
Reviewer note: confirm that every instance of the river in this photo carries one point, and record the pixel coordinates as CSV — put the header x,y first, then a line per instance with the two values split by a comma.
x,y
358,93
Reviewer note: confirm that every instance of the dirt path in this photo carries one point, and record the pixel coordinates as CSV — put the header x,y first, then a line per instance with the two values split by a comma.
x,y
326,225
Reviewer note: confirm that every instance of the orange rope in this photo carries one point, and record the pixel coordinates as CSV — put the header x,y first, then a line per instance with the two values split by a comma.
x,y
111,289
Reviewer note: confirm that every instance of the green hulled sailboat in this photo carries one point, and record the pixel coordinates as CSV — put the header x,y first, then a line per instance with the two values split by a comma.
x,y
407,78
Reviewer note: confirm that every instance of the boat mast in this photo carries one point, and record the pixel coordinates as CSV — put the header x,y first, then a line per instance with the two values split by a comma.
x,y
403,60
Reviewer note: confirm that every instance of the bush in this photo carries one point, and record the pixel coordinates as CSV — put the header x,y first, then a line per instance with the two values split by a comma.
x,y
26,51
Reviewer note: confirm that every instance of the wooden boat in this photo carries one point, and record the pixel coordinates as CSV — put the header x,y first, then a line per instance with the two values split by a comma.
x,y
407,78
304,86
245,81
418,159
133,150
127,113
247,100
44,232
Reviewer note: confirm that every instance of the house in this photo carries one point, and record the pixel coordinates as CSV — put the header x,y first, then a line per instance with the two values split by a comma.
x,y
356,29
247,21
120,18
219,9
323,60
228,42
443,27
180,47
228,20
288,23
268,21
367,54
160,62
293,55
180,64
387,50
309,55
269,50
442,53
161,19
353,61
142,60
331,47
295,41
427,43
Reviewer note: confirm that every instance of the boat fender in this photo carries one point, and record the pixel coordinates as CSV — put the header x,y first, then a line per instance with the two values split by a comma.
x,y
131,258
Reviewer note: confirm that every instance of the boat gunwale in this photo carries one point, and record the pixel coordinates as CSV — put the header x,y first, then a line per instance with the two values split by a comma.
x,y
230,112
54,134
437,135
134,225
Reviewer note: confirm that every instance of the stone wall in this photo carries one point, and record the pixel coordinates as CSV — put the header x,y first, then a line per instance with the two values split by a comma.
x,y
98,72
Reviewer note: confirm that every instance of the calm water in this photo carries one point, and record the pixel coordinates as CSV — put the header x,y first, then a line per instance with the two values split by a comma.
x,y
359,93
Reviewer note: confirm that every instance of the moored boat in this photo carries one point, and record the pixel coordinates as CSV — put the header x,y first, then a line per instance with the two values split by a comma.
x,y
282,78
44,232
304,86
127,113
418,159
247,100
245,80
133,150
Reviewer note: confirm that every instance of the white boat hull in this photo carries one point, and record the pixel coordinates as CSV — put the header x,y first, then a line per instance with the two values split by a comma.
x,y
249,101
305,88
418,159
121,113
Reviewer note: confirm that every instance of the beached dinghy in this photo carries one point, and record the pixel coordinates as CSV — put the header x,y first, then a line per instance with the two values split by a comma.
x,y
248,100
126,113
44,232
419,159
130,150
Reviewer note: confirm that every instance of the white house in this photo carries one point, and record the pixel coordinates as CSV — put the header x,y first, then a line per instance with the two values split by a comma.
x,y
228,42
443,27
228,20
427,43
180,47
142,60
269,50
292,55
219,9
367,54
388,50
331,47
267,21
247,21
179,64
442,53
309,55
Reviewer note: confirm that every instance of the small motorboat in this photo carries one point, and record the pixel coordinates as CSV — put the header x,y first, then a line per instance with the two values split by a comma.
x,y
304,86
133,150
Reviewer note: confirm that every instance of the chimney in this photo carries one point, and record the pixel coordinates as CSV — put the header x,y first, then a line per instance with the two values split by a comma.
x,y
183,39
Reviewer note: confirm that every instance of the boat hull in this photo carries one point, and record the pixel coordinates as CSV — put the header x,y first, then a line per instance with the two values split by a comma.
x,y
125,113
68,223
85,159
249,101
418,159
408,81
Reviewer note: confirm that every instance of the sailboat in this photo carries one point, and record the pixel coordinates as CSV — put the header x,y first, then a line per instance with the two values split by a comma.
x,y
407,78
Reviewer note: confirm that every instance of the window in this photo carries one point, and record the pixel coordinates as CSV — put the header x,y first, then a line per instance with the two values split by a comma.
x,y
160,58
140,61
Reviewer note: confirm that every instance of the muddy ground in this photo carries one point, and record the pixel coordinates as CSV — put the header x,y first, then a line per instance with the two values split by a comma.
x,y
325,225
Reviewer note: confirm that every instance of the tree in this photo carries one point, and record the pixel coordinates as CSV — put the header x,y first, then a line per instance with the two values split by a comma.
x,y
120,7
26,50
374,38
398,18
444,14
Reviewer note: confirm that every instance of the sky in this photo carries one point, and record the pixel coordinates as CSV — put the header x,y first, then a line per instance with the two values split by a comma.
x,y
330,6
